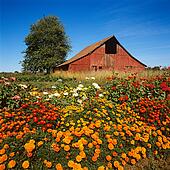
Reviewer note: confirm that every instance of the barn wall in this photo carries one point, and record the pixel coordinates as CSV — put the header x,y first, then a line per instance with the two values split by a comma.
x,y
121,61
100,60
83,64
124,62
97,61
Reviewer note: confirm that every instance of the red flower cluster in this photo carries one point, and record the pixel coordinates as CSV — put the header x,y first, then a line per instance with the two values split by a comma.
x,y
165,87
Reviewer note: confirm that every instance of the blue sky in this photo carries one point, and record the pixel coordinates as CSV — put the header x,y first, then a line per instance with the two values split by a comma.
x,y
142,27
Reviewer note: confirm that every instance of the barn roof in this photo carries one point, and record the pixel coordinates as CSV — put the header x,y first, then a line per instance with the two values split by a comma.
x,y
89,49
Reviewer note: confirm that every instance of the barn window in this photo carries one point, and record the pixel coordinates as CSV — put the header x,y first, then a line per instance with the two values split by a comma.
x,y
100,67
94,68
110,47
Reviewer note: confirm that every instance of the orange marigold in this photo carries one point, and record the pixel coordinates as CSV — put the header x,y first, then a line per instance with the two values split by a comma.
x,y
120,167
114,141
78,158
116,164
2,151
82,154
3,158
2,166
71,163
59,167
110,146
29,147
133,161
108,158
94,158
109,165
114,153
90,145
48,164
40,143
12,154
66,147
97,151
11,164
25,164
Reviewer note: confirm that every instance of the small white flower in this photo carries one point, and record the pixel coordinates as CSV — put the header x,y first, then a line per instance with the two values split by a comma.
x,y
59,80
56,94
45,93
23,86
53,87
96,85
84,97
79,101
75,94
51,95
79,88
101,95
87,78
80,85
74,90
93,78
65,93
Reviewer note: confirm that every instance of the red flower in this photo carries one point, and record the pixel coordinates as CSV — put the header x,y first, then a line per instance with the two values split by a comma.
x,y
113,87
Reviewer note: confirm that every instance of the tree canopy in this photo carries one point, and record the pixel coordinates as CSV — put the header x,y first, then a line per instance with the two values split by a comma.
x,y
47,45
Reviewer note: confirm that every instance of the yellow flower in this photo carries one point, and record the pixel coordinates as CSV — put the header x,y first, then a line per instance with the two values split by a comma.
x,y
78,158
29,147
70,163
25,164
100,168
123,155
11,164
40,143
6,146
132,142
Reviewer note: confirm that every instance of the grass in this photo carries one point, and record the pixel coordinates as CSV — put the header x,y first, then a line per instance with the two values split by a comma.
x,y
103,75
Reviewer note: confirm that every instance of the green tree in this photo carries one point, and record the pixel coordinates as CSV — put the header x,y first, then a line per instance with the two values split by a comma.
x,y
47,45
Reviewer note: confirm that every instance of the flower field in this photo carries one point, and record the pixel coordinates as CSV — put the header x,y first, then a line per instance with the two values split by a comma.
x,y
84,125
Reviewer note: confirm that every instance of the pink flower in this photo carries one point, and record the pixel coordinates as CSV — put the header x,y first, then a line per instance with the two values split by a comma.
x,y
12,78
16,97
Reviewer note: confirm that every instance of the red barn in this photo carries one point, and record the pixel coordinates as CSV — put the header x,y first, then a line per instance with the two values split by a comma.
x,y
107,54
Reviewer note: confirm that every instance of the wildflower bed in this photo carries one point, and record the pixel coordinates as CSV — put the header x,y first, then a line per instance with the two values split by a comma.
x,y
85,125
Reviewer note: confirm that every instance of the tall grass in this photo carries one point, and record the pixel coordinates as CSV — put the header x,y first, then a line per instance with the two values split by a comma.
x,y
104,74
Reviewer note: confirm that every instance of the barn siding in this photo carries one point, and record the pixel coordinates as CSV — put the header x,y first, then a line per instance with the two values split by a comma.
x,y
80,65
123,61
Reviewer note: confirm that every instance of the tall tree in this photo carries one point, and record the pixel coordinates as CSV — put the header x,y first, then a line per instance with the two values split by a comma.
x,y
47,45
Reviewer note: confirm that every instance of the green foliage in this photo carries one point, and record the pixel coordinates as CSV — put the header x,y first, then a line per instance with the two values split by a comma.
x,y
47,45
